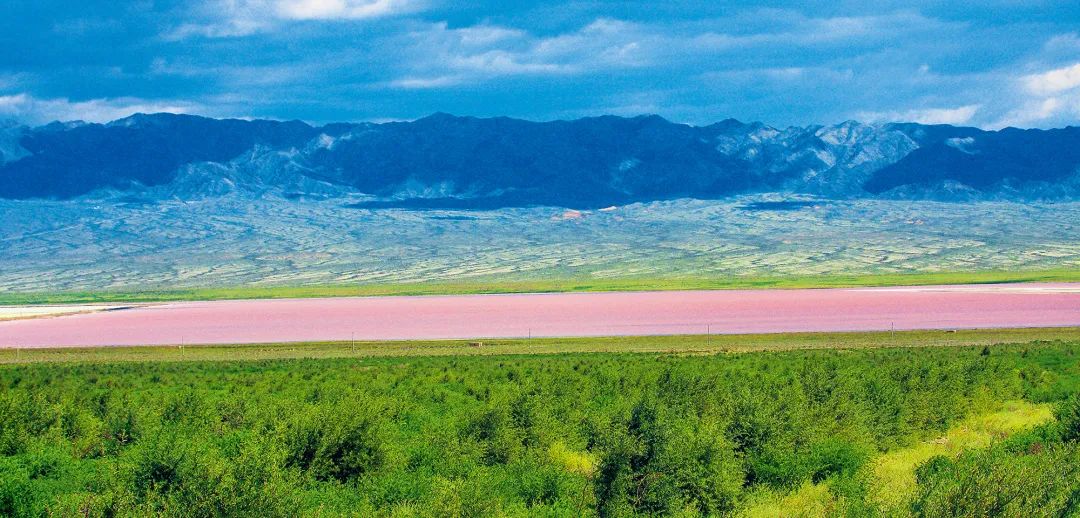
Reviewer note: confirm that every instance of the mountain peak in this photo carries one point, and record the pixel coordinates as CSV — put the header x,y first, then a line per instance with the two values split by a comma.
x,y
439,117
140,119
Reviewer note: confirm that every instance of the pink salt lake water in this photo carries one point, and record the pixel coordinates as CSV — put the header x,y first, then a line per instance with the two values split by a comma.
x,y
559,314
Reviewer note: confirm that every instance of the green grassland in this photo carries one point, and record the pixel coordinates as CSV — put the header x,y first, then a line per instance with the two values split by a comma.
x,y
818,424
677,344
545,285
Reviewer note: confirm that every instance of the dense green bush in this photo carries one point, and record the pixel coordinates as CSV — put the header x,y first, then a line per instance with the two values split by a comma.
x,y
998,482
1036,473
660,463
334,443
560,435
1068,415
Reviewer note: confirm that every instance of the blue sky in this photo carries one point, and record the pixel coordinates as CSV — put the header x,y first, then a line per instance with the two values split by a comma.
x,y
1004,62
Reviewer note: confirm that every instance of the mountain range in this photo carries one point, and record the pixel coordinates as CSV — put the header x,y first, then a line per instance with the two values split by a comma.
x,y
466,162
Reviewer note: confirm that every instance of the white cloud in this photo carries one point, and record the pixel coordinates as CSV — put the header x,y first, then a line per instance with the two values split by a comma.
x,y
484,52
956,115
485,35
31,110
503,63
442,56
417,83
1053,81
235,18
757,76
342,9
866,27
229,28
1042,111
791,28
1046,98
1063,45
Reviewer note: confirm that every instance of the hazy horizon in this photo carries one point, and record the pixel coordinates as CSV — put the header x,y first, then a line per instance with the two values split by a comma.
x,y
538,121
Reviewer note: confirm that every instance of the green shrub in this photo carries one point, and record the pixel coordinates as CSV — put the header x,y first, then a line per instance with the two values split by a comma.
x,y
334,443
1068,416
17,496
996,482
500,441
662,464
834,456
158,464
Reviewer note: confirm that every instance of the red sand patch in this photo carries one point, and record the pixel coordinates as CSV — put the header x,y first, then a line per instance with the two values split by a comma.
x,y
562,314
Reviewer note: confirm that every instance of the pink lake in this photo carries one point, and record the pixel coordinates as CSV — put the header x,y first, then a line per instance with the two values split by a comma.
x,y
558,314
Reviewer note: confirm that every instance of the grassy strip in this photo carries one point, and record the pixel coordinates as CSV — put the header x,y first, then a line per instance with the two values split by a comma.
x,y
894,483
809,500
680,344
891,476
545,286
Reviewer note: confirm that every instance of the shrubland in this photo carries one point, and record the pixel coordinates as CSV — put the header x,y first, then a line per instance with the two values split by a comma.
x,y
593,434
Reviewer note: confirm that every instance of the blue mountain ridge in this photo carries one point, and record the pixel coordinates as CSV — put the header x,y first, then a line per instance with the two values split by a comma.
x,y
468,162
